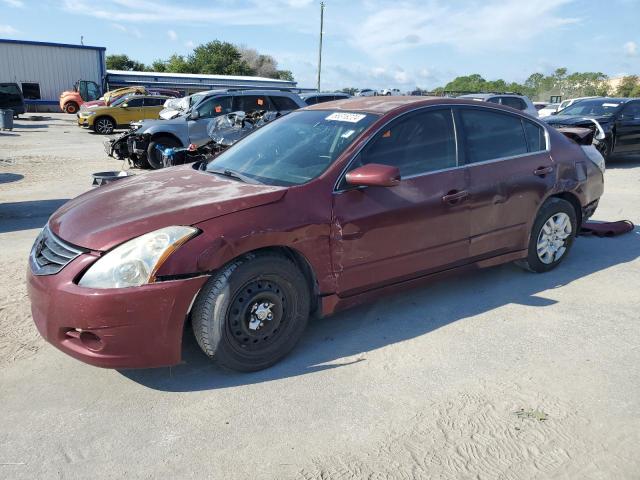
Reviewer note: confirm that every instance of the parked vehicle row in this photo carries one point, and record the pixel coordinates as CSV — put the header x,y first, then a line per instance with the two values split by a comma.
x,y
295,220
11,98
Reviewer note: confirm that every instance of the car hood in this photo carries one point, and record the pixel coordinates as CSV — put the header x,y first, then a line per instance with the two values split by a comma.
x,y
574,119
109,215
145,124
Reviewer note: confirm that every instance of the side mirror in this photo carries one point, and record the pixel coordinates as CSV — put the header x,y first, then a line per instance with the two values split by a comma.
x,y
194,115
374,175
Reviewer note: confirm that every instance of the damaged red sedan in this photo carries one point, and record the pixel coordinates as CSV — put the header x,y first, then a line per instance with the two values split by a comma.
x,y
319,210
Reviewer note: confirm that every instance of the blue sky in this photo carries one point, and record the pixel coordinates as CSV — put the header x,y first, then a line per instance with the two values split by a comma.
x,y
368,43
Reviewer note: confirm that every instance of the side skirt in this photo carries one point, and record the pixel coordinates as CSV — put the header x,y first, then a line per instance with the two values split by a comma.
x,y
331,304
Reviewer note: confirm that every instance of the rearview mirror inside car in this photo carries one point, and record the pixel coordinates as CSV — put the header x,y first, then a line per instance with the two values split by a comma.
x,y
374,175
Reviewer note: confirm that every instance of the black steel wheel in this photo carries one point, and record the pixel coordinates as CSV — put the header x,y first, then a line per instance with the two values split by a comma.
x,y
252,312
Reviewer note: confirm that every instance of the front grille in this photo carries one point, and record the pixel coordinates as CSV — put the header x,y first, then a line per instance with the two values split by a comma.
x,y
50,254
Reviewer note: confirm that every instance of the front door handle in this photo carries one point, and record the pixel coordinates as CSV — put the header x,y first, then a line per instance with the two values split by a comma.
x,y
455,196
542,171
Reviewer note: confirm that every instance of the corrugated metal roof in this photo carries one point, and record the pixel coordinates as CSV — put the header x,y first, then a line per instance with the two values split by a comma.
x,y
50,44
234,78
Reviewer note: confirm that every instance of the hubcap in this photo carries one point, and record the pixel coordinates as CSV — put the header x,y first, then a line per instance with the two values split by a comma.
x,y
257,316
552,240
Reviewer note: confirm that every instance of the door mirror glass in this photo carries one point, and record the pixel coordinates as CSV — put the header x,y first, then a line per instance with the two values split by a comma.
x,y
374,175
194,115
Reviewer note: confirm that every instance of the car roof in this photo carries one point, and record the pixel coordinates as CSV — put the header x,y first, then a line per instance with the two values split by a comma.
x,y
489,95
323,94
386,104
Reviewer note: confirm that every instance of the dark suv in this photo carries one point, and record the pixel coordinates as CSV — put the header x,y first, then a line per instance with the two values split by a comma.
x,y
191,128
11,98
322,209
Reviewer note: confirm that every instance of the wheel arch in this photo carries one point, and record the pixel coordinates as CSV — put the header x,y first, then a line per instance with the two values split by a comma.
x,y
156,135
574,201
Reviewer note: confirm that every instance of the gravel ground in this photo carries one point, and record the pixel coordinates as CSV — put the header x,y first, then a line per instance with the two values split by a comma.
x,y
499,374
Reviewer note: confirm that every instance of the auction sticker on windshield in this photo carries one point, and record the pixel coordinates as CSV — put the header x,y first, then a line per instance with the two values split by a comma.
x,y
345,117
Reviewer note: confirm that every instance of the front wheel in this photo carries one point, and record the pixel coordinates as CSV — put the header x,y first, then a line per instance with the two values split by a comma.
x,y
71,107
154,153
252,312
104,126
552,236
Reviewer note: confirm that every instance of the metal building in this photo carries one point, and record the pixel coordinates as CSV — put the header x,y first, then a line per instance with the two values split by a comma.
x,y
43,70
188,83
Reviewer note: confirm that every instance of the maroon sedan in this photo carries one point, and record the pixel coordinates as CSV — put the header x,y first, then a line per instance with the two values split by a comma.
x,y
320,210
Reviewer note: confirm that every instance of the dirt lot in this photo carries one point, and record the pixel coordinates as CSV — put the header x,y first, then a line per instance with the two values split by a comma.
x,y
501,374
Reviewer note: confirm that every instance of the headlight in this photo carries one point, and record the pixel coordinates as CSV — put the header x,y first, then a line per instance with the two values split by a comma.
x,y
136,262
87,114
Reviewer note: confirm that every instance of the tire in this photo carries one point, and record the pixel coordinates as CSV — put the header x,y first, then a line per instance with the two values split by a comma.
x,y
71,107
558,242
154,157
230,322
104,125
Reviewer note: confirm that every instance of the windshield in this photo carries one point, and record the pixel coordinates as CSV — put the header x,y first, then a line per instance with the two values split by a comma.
x,y
593,108
120,100
293,149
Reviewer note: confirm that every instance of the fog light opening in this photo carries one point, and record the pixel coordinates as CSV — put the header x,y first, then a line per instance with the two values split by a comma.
x,y
91,341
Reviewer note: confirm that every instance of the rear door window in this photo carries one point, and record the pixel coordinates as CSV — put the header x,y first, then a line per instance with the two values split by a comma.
x,y
416,143
251,103
492,135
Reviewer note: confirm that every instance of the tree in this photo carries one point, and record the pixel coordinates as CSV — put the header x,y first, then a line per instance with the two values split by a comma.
x,y
349,90
219,58
123,62
628,86
178,64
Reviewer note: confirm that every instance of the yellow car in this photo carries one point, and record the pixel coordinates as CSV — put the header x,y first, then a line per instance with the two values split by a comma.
x,y
121,112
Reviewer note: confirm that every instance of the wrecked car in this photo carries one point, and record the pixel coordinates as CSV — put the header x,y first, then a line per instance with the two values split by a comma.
x,y
223,131
615,123
120,113
191,128
322,209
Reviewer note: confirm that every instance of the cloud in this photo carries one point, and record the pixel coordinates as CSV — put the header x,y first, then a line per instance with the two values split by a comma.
x,y
172,35
14,3
189,44
134,32
252,12
495,24
7,30
630,49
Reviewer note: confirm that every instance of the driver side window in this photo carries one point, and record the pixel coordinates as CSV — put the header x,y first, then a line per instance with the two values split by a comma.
x,y
133,102
417,143
214,107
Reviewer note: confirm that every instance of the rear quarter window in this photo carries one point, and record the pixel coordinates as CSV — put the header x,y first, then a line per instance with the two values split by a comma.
x,y
285,103
492,135
536,140
514,102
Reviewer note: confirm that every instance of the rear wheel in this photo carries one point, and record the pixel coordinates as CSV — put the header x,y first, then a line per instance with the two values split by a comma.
x,y
552,236
71,107
104,125
154,155
252,313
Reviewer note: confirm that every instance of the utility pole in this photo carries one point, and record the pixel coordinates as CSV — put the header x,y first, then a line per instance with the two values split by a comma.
x,y
320,49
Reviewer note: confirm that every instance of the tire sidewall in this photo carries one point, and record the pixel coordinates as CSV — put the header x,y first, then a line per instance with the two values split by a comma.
x,y
550,208
289,279
154,162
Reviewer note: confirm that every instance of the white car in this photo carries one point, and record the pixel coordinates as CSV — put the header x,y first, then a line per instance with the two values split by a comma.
x,y
549,109
570,101
366,92
519,102
390,91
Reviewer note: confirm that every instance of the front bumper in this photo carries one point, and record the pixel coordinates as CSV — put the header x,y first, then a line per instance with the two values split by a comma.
x,y
137,327
86,122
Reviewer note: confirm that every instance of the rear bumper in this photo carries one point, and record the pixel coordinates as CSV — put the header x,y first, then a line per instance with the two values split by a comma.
x,y
136,327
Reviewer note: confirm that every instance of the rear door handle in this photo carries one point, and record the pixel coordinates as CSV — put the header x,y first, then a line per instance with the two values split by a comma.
x,y
455,196
542,171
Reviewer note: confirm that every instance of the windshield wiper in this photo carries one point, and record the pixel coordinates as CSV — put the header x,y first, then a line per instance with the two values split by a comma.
x,y
233,174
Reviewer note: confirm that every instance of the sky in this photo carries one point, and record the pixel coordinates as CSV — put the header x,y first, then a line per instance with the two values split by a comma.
x,y
367,43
